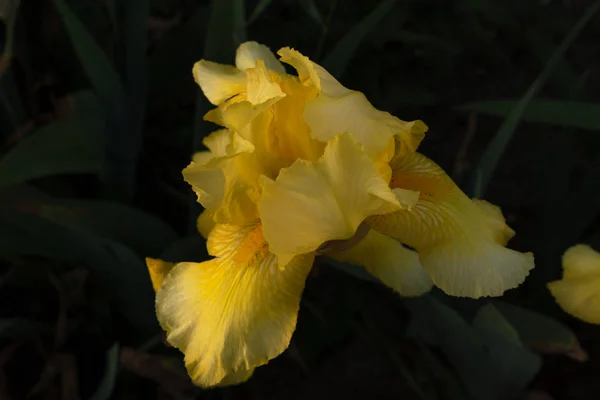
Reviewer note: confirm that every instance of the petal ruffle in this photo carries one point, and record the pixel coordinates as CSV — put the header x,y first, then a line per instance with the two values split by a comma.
x,y
459,241
580,261
578,293
389,261
312,203
218,82
232,313
338,109
248,52
260,87
226,179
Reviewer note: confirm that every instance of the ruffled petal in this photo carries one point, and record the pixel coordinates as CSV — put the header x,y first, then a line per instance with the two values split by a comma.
x,y
389,261
312,203
232,313
226,180
261,89
248,52
579,297
302,64
158,270
459,241
218,82
337,109
578,293
580,261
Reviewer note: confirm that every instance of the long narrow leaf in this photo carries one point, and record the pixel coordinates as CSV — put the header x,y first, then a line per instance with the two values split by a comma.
x,y
554,112
108,85
498,145
258,10
339,57
69,145
135,14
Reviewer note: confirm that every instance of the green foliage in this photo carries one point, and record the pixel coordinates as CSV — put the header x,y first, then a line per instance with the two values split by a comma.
x,y
68,145
99,114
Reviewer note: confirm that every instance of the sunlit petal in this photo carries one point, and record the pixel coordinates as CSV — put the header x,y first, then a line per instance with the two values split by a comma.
x,y
305,68
217,81
459,241
235,312
338,109
311,203
260,87
248,52
226,180
389,261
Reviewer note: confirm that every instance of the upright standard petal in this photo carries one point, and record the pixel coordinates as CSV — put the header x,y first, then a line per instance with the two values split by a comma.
x,y
218,82
389,261
578,293
312,203
234,313
260,87
249,52
338,109
460,242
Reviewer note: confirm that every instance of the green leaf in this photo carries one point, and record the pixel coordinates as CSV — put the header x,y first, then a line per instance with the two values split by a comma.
x,y
172,60
339,57
135,23
68,145
142,232
138,230
25,232
492,366
451,386
539,332
497,146
104,78
258,10
554,112
226,30
119,165
111,367
311,9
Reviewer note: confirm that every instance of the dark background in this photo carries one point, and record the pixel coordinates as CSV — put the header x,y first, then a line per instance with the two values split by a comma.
x,y
99,114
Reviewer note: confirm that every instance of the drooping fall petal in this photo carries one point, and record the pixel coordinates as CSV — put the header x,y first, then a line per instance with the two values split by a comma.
x,y
389,261
234,312
460,241
578,293
312,203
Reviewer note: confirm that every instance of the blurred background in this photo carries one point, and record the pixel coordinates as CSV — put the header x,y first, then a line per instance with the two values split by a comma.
x,y
99,114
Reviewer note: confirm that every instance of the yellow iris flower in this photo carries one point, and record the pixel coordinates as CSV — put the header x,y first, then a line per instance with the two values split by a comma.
x,y
305,166
578,292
